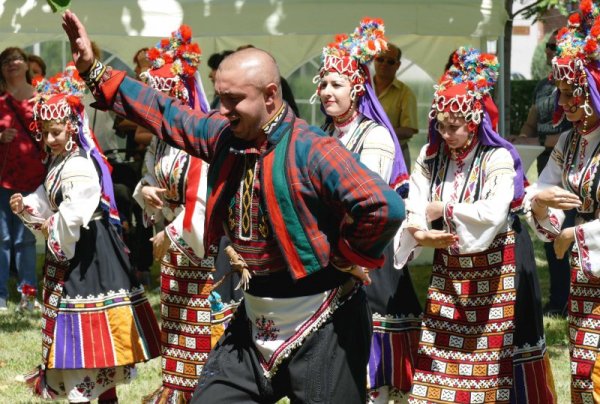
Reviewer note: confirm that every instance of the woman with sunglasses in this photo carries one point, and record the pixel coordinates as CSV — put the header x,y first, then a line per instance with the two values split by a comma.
x,y
396,98
356,118
21,170
482,333
571,181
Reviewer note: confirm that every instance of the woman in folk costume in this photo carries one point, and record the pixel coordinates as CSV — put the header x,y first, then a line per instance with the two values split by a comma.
x,y
97,322
570,180
356,118
466,184
173,191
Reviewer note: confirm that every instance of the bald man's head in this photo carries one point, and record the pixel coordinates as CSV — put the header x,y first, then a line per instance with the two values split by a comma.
x,y
249,86
257,67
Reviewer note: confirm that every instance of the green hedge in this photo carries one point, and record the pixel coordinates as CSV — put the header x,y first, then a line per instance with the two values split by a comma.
x,y
521,93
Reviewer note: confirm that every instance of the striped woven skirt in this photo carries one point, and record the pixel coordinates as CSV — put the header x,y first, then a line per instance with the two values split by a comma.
x,y
584,334
96,320
466,344
396,326
186,331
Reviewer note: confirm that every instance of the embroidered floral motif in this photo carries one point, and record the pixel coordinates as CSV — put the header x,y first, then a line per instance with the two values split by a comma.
x,y
266,329
86,387
105,376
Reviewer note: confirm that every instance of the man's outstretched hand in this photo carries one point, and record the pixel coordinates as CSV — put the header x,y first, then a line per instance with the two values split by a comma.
x,y
81,47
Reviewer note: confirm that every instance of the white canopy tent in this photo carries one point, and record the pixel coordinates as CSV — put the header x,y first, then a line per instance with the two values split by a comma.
x,y
294,31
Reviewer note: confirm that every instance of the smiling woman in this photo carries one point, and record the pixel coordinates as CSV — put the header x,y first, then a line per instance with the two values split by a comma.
x,y
21,170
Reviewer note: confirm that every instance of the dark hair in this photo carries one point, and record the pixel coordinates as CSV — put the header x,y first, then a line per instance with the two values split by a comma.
x,y
36,59
215,59
5,54
135,55
450,61
392,46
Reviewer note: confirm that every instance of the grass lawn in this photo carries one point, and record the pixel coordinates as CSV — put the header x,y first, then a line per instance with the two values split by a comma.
x,y
20,345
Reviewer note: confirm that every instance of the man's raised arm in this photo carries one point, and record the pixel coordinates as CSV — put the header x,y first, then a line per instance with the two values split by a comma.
x,y
167,118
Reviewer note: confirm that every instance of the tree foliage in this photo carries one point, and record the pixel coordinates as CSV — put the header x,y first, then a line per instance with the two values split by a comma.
x,y
538,8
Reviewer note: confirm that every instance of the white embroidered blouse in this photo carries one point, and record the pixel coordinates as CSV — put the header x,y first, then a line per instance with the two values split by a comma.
x,y
477,192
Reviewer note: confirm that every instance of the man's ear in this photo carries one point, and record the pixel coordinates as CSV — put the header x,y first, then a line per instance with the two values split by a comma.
x,y
271,91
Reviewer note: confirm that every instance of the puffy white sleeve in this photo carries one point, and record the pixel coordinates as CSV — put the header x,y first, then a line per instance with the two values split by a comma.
x,y
190,242
80,187
150,215
36,209
405,246
587,244
549,227
477,224
378,152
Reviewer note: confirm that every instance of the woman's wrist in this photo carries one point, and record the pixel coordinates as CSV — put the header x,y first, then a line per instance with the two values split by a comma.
x,y
540,210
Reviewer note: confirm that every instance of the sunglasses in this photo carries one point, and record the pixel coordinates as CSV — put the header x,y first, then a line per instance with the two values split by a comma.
x,y
9,60
389,61
551,46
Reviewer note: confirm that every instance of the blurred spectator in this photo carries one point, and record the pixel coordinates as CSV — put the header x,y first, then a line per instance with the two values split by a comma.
x,y
37,68
397,99
539,129
141,61
21,170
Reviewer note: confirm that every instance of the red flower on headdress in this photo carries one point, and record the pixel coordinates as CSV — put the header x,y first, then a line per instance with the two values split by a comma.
x,y
187,69
73,101
487,57
186,32
168,58
595,31
586,6
590,46
37,80
575,19
477,105
153,53
164,43
371,45
341,37
481,83
562,32
195,48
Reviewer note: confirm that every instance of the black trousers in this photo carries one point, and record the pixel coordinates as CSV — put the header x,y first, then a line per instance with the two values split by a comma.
x,y
329,367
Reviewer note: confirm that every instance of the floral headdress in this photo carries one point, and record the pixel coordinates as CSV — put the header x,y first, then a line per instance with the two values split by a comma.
x,y
466,86
465,89
175,61
59,98
577,57
350,54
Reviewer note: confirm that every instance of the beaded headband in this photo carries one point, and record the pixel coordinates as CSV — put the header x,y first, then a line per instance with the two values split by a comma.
x,y
577,53
349,55
464,87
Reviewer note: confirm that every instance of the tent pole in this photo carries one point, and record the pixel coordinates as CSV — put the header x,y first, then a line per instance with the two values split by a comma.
x,y
501,87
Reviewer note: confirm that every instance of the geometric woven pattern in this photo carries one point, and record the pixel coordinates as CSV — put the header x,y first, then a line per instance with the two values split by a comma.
x,y
466,345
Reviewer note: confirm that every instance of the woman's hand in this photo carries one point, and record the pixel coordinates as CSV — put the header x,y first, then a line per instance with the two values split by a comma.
x,y
8,135
434,210
16,203
45,228
554,197
563,241
153,196
160,245
434,238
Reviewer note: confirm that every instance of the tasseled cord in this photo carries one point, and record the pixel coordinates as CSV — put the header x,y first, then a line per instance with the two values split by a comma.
x,y
237,265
